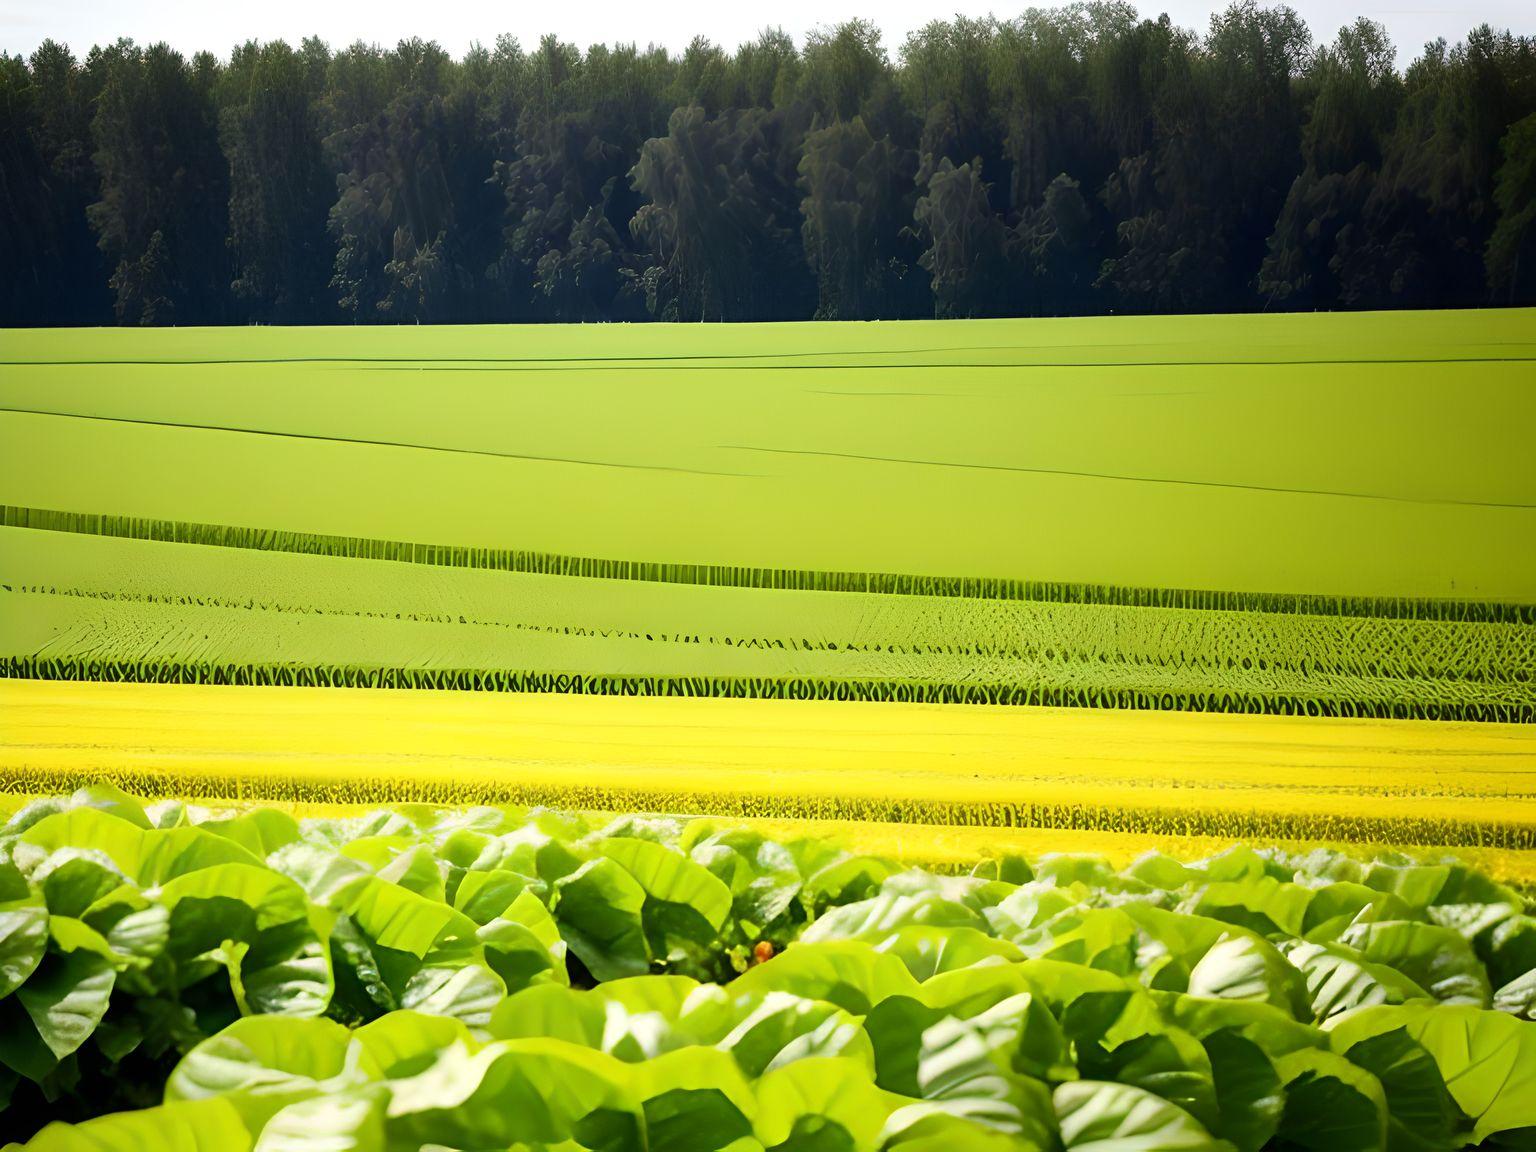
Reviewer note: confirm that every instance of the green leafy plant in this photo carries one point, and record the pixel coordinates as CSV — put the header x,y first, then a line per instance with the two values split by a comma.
x,y
497,979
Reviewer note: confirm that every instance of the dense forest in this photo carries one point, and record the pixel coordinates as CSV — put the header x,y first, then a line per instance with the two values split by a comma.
x,y
1076,160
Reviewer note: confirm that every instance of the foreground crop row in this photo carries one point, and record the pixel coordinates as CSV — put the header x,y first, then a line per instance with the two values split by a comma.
x,y
483,979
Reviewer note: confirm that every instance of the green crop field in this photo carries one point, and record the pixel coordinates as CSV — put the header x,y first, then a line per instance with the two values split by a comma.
x,y
1263,514
75,602
911,530
1306,454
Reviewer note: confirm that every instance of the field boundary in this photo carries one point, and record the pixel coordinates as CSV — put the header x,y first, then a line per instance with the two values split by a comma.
x,y
790,579
896,691
403,786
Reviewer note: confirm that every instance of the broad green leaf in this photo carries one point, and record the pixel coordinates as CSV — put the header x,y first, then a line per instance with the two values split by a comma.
x,y
761,875
1272,1029
1027,908
1063,869
525,950
74,879
351,1121
468,993
286,970
1417,885
1167,1062
1158,871
1339,979
147,855
1009,867
974,892
187,1126
929,952
967,992
1518,997
416,870
23,940
485,896
1331,1105
1102,1117
877,919
780,1029
1421,1114
847,973
665,995
1471,920
835,1092
272,897
1511,949
1248,1091
402,1043
528,1090
552,1011
1023,1037
671,878
599,908
108,797
262,1064
1239,862
1103,938
1261,904
261,831
969,1066
1487,1059
71,935
1335,906
895,1028
936,1127
143,935
258,1051
694,1098
327,877
1247,968
61,1005
397,918
1437,959
843,879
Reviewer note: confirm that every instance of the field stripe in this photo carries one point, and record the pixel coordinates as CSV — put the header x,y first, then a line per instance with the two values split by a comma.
x,y
883,583
1165,774
880,691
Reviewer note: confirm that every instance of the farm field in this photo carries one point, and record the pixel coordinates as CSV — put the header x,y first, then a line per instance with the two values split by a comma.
x,y
74,605
998,777
1117,513
980,736
1261,454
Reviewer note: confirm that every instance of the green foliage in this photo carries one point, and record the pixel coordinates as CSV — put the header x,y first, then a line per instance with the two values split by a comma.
x,y
1129,165
1317,1001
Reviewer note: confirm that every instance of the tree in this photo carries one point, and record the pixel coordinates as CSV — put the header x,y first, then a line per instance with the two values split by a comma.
x,y
416,222
858,199
281,188
1195,210
1356,94
722,217
965,253
163,211
1071,160
1511,253
1057,243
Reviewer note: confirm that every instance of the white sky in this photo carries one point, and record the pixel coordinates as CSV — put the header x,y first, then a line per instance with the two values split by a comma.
x,y
217,25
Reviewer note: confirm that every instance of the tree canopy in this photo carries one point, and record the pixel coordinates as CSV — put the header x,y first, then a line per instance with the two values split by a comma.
x,y
1076,160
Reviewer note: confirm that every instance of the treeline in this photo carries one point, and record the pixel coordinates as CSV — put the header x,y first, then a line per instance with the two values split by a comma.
x,y
1078,160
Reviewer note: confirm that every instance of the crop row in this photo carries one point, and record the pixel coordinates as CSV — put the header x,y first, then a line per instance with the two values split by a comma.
x,y
490,978
735,576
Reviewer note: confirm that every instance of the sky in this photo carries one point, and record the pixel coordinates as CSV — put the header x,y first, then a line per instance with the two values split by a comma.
x,y
217,25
